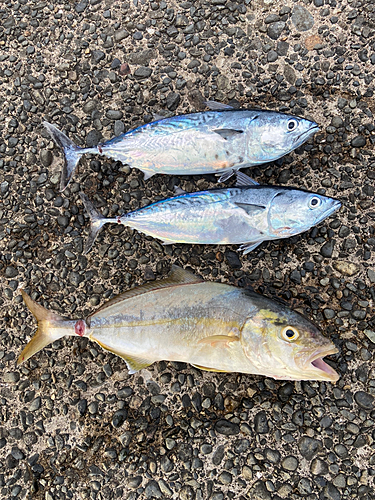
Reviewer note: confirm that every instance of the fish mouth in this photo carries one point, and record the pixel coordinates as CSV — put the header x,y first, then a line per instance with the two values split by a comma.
x,y
308,133
319,367
332,209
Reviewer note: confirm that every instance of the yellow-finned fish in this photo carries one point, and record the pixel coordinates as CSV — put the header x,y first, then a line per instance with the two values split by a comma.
x,y
213,326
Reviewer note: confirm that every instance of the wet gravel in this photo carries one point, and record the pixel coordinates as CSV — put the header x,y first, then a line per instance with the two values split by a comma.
x,y
74,424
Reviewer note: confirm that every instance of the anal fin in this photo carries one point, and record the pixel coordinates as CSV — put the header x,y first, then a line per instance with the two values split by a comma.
x,y
226,175
133,363
249,247
206,369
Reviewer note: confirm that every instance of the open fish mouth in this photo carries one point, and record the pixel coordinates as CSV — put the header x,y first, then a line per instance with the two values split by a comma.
x,y
320,367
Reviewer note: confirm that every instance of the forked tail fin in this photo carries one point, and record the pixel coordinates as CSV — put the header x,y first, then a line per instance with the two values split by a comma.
x,y
97,222
50,328
72,153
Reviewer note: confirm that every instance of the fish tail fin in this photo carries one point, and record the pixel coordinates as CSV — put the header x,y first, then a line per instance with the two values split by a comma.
x,y
45,334
72,153
97,222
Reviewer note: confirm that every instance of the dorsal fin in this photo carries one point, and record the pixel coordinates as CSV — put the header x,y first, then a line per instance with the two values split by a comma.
x,y
178,276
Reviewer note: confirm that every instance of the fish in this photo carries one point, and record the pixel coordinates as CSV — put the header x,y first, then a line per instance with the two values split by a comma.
x,y
246,214
213,326
216,141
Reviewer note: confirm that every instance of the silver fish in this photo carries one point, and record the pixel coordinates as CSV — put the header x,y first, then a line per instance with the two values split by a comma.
x,y
246,214
218,141
213,326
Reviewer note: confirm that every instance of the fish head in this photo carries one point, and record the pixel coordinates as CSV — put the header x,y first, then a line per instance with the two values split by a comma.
x,y
293,211
277,134
282,344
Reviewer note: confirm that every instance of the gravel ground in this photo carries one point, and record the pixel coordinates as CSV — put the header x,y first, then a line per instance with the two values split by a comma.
x,y
74,424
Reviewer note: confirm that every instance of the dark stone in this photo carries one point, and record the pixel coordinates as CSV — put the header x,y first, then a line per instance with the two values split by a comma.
x,y
17,453
134,481
364,400
114,114
261,423
358,142
120,35
327,248
187,493
11,272
319,467
81,6
93,138
45,157
274,30
272,56
226,427
309,447
82,406
285,392
295,276
119,418
116,63
152,490
142,72
97,55
259,491
302,19
173,100
218,455
233,260
119,128
331,492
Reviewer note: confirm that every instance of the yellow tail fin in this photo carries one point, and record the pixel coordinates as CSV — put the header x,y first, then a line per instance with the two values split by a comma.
x,y
50,328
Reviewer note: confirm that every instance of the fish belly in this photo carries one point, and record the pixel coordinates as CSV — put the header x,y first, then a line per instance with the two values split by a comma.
x,y
185,152
176,324
202,220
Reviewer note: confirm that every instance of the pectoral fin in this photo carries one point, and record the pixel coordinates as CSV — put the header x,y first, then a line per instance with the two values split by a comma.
x,y
228,133
251,209
206,369
244,180
134,363
219,339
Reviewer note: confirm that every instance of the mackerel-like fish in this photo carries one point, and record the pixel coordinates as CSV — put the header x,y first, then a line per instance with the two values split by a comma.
x,y
213,326
217,141
246,214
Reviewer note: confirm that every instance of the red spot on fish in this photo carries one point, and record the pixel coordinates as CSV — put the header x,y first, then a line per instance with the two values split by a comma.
x,y
118,220
100,149
80,328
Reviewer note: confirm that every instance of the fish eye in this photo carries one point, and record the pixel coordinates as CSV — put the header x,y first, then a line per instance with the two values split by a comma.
x,y
289,333
292,125
315,202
